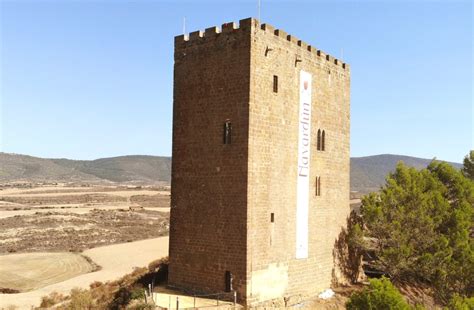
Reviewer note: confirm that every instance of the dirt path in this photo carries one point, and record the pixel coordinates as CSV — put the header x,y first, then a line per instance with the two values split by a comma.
x,y
116,261
75,210
78,193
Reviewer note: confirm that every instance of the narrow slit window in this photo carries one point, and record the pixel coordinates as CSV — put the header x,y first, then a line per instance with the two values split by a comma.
x,y
275,84
318,146
323,141
227,132
272,217
318,186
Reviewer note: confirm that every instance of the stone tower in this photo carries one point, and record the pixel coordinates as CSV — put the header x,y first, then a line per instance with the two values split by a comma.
x,y
260,171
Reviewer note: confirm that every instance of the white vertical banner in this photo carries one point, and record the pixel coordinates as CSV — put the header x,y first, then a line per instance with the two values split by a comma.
x,y
304,146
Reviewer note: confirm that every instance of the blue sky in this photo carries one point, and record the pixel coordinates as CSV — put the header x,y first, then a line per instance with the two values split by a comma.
x,y
88,79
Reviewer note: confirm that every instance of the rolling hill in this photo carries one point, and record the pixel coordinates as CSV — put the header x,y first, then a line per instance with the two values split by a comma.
x,y
15,167
133,168
367,173
148,169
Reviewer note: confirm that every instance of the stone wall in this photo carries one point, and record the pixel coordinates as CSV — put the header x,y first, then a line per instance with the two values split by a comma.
x,y
223,195
208,230
272,170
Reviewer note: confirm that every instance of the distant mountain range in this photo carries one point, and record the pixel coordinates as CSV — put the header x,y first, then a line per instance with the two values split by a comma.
x,y
133,168
367,173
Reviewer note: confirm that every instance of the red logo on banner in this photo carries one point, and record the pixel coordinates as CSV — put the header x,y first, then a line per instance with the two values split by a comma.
x,y
305,85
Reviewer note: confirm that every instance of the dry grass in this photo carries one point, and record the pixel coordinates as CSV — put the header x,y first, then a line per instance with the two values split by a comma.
x,y
29,271
114,265
154,201
52,299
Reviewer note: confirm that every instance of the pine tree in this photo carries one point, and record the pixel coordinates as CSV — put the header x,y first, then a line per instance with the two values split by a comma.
x,y
468,169
420,224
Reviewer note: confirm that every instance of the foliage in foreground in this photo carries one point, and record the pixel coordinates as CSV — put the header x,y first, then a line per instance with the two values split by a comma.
x,y
421,223
51,300
381,294
460,303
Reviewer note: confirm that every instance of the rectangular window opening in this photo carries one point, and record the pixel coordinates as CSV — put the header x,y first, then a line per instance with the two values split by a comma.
x,y
275,84
317,186
227,132
272,217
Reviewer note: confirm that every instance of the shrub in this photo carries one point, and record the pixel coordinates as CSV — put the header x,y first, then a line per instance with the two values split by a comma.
x,y
95,284
81,300
126,294
137,292
460,303
381,294
140,306
121,298
52,299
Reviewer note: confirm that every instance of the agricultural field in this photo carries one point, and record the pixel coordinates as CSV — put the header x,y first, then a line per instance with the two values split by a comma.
x,y
74,219
114,260
29,271
52,235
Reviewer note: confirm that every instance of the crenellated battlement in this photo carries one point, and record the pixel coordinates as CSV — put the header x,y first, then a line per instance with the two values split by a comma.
x,y
304,46
246,25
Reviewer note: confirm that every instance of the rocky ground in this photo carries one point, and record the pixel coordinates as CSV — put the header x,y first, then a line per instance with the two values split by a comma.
x,y
63,231
61,218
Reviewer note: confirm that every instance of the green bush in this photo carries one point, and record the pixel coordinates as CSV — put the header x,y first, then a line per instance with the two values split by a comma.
x,y
460,303
137,292
381,294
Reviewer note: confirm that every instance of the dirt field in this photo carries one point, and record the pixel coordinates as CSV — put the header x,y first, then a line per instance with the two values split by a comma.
x,y
44,229
29,271
62,231
115,260
63,218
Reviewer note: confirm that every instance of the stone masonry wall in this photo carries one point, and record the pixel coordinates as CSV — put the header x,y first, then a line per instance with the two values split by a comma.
x,y
209,178
272,168
223,195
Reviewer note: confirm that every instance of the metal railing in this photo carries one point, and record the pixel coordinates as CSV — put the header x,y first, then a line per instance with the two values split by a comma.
x,y
222,299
